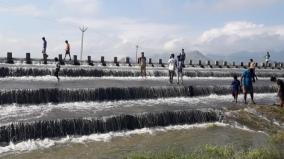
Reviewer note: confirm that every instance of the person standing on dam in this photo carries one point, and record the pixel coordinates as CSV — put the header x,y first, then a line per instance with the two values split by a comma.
x,y
179,70
182,56
142,63
44,47
172,67
267,57
246,80
67,50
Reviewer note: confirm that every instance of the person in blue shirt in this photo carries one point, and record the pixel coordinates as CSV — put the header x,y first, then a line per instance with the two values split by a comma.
x,y
246,80
235,88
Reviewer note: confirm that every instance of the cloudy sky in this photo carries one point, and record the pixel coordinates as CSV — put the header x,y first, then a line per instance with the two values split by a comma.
x,y
157,26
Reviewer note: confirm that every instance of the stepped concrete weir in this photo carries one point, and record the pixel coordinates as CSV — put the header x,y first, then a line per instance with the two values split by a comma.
x,y
17,132
96,97
54,95
89,71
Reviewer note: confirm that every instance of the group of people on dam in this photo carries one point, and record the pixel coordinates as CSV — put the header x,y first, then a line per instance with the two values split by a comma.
x,y
176,65
67,49
173,66
245,85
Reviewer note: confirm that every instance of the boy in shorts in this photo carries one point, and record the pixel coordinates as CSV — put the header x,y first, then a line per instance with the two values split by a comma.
x,y
235,88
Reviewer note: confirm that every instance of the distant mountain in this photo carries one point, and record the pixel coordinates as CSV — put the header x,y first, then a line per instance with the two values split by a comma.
x,y
190,55
242,56
245,56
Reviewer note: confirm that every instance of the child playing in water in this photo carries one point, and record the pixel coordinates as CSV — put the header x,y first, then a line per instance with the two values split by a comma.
x,y
280,92
235,88
56,73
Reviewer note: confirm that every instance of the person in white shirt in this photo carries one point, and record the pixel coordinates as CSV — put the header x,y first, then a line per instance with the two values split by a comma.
x,y
172,67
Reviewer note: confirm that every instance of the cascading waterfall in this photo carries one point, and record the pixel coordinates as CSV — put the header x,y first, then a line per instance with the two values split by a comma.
x,y
17,132
115,72
55,95
47,127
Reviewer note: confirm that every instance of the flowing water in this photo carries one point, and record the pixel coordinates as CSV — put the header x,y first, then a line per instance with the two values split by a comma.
x,y
32,113
116,145
108,112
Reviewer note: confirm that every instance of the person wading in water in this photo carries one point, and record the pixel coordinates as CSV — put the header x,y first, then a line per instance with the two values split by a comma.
x,y
280,91
56,73
252,66
235,88
246,80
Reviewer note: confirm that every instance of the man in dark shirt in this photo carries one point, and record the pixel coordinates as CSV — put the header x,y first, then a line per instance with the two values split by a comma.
x,y
182,56
56,73
44,47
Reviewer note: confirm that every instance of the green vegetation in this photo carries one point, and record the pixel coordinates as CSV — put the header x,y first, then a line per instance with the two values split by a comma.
x,y
261,121
213,152
253,121
272,112
278,138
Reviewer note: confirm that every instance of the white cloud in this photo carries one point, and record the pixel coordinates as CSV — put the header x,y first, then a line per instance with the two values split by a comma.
x,y
230,5
75,8
120,35
117,35
236,29
27,10
111,37
227,5
239,36
173,44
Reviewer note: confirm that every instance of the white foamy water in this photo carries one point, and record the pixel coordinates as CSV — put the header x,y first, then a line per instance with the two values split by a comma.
x,y
22,113
106,137
273,121
63,78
